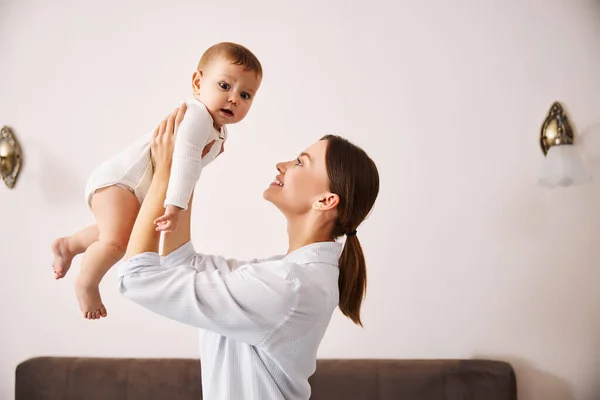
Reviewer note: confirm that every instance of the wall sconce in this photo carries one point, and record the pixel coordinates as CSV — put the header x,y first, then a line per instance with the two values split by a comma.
x,y
10,157
562,164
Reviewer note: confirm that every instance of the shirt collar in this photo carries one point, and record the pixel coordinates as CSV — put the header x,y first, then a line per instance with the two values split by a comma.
x,y
320,252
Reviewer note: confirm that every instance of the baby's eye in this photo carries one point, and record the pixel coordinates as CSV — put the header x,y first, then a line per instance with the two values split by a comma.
x,y
224,85
246,96
299,163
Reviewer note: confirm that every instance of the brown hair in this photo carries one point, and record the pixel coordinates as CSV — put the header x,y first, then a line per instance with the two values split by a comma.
x,y
236,53
353,176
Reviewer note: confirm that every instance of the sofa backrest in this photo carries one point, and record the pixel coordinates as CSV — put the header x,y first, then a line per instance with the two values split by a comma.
x,y
70,378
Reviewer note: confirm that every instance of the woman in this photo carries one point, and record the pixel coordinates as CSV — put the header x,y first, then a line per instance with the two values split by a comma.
x,y
264,319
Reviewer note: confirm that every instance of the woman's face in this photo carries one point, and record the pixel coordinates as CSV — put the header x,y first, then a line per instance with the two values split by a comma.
x,y
302,184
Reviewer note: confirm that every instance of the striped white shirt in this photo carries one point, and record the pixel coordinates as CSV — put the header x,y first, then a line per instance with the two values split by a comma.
x,y
264,319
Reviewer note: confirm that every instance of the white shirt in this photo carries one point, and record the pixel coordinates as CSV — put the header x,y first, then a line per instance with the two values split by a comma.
x,y
264,319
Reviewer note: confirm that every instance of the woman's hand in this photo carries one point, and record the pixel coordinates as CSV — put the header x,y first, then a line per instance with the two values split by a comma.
x,y
163,140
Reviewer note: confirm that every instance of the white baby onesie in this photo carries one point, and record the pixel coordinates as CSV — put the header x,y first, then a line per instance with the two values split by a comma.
x,y
132,168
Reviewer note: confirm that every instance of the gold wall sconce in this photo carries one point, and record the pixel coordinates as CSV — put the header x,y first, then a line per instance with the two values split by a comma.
x,y
563,165
11,157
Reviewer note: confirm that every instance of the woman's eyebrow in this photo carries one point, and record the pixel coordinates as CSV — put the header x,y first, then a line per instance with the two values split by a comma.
x,y
305,155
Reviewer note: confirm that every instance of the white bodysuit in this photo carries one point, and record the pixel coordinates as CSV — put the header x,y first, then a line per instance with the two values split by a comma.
x,y
132,168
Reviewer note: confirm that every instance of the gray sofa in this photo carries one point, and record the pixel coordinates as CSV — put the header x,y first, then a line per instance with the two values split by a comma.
x,y
66,378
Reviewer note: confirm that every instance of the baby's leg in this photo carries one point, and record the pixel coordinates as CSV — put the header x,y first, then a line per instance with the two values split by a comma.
x,y
115,209
66,248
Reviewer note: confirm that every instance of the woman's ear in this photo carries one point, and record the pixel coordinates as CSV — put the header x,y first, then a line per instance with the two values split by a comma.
x,y
329,201
196,80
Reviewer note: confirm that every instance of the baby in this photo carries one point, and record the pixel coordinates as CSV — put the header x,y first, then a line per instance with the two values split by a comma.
x,y
223,86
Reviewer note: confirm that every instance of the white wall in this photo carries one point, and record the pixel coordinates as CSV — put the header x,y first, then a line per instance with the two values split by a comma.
x,y
467,256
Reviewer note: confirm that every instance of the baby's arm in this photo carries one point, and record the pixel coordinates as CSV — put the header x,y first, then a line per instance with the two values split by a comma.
x,y
192,136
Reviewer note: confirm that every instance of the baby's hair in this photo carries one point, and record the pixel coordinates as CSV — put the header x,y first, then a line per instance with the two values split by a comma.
x,y
236,53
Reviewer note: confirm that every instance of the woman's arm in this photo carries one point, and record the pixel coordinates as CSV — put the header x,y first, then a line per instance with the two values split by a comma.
x,y
246,304
144,236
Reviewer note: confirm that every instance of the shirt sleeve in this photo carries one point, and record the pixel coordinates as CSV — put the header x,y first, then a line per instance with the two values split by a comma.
x,y
193,134
246,303
186,255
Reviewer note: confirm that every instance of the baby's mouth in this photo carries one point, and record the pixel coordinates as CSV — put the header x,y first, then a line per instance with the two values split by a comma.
x,y
227,112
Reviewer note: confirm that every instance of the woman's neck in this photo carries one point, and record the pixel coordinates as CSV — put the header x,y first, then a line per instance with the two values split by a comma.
x,y
303,232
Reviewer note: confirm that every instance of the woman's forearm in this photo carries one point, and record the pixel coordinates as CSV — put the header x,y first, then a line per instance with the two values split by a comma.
x,y
144,237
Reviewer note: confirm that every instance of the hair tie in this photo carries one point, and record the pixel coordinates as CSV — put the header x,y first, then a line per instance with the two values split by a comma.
x,y
353,233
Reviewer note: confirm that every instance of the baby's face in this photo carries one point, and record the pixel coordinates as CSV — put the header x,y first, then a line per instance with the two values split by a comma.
x,y
226,90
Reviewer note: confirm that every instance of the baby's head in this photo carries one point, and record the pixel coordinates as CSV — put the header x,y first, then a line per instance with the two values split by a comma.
x,y
226,82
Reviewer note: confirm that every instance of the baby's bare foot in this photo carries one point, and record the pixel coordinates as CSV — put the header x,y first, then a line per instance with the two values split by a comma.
x,y
90,303
62,257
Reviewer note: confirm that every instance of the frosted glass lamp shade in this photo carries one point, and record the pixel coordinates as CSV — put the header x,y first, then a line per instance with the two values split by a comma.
x,y
563,166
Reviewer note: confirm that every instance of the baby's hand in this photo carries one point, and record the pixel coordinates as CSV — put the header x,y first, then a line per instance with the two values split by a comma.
x,y
168,222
